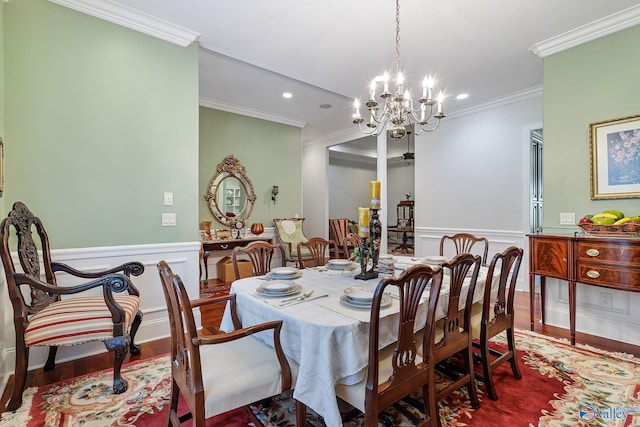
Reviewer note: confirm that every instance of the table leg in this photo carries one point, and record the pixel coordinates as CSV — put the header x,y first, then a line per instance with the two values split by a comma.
x,y
206,267
572,311
543,297
532,298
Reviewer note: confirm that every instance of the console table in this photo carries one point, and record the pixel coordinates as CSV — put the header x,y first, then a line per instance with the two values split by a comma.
x,y
209,246
610,262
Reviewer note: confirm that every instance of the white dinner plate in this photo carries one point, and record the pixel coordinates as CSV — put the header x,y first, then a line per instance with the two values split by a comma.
x,y
435,259
291,291
344,264
273,276
384,302
360,294
277,286
284,271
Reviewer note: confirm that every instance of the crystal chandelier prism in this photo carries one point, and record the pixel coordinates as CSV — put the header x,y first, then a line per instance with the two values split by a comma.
x,y
396,109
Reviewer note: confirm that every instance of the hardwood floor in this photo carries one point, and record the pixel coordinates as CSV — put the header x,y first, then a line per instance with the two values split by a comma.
x,y
212,319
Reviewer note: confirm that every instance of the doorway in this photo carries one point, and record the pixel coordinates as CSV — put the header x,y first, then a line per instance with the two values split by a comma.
x,y
536,183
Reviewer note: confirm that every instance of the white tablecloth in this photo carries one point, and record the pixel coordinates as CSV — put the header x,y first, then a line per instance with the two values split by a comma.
x,y
328,339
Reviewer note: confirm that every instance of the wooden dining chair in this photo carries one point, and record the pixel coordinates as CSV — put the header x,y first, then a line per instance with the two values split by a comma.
x,y
451,335
45,314
398,369
350,242
321,251
495,314
338,232
260,254
465,242
238,368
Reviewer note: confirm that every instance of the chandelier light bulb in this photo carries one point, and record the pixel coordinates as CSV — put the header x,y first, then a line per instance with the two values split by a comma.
x,y
394,112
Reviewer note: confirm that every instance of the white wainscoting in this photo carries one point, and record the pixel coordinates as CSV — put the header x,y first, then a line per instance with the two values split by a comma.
x,y
427,242
183,258
603,312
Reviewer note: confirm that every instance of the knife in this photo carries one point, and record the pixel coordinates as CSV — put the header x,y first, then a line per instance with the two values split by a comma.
x,y
289,304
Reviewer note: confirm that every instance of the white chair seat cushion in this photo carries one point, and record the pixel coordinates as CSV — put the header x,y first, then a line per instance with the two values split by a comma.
x,y
354,394
240,372
77,320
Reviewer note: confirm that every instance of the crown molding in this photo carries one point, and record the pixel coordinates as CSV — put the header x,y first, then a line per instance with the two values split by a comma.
x,y
133,19
236,109
512,98
602,27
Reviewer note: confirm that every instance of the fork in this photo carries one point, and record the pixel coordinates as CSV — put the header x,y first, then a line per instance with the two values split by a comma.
x,y
300,298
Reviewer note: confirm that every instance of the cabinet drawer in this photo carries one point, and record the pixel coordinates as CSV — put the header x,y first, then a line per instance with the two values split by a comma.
x,y
609,276
618,252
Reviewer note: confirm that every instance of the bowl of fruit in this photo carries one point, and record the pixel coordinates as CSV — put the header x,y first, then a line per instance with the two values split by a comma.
x,y
610,223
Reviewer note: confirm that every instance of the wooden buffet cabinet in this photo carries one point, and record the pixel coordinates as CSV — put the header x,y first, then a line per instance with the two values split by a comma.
x,y
610,262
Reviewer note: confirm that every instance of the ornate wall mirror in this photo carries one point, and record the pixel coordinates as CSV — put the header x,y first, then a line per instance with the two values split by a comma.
x,y
230,194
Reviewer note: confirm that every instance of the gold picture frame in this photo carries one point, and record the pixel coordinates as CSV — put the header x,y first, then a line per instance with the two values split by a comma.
x,y
614,149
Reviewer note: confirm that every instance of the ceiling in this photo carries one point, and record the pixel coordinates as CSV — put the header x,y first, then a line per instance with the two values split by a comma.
x,y
327,52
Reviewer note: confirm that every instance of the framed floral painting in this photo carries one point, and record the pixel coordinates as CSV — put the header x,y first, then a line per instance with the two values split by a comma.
x,y
615,158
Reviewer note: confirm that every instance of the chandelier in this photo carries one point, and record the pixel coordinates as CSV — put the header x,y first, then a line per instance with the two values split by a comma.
x,y
397,109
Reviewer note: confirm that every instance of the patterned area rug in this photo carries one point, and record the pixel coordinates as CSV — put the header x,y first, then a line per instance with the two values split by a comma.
x,y
562,385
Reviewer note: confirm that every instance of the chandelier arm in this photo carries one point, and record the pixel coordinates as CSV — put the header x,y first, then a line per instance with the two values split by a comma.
x,y
422,128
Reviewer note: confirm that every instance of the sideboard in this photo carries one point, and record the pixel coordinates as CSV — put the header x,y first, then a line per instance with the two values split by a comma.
x,y
209,246
610,262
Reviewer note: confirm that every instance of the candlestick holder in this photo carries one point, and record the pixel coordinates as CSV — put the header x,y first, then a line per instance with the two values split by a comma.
x,y
371,248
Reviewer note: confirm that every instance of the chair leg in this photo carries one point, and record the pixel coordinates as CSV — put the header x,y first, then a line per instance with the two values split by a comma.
x,y
133,347
301,414
487,369
511,340
19,378
120,346
51,360
431,400
174,418
471,386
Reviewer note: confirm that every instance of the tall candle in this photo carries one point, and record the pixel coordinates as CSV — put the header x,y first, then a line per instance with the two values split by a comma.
x,y
374,194
363,222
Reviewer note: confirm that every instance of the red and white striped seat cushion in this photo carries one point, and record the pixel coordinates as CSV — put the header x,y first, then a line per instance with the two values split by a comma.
x,y
77,320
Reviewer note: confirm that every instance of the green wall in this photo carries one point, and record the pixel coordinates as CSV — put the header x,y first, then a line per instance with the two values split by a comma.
x,y
100,120
270,152
2,109
589,83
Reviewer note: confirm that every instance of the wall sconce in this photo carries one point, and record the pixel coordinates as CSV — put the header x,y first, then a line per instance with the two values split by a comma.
x,y
274,193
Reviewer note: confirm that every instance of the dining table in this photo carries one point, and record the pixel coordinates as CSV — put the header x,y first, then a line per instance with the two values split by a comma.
x,y
323,331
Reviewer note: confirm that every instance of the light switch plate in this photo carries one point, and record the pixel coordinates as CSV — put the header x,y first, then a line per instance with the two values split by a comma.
x,y
567,218
168,199
168,220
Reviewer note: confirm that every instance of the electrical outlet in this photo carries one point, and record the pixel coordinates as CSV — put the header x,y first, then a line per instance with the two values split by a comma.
x,y
168,220
168,199
568,218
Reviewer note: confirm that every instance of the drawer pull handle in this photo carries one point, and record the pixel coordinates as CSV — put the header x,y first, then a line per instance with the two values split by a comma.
x,y
593,274
593,252
224,246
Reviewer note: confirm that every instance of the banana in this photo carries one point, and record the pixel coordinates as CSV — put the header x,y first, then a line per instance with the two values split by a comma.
x,y
605,215
622,221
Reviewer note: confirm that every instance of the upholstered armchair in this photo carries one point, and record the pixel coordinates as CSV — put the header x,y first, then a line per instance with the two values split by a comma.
x,y
45,314
290,233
